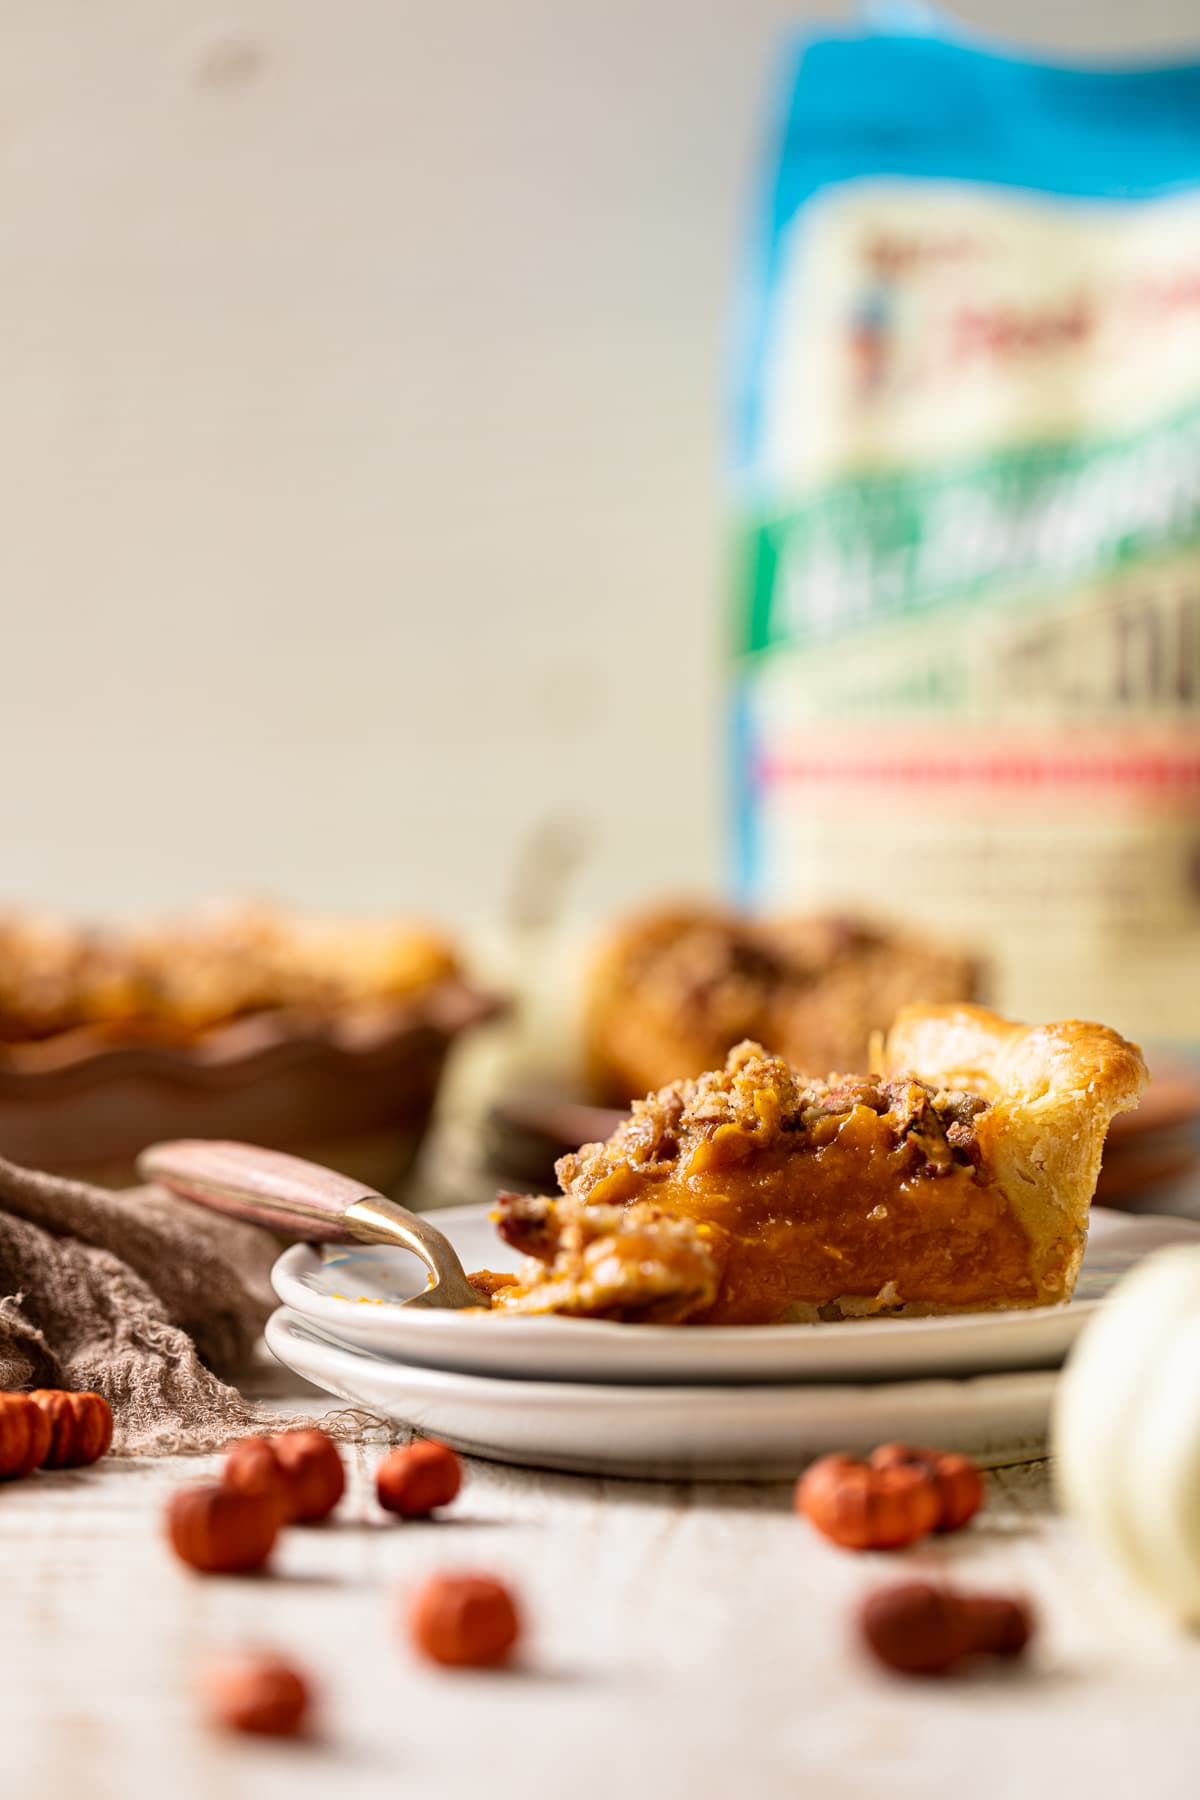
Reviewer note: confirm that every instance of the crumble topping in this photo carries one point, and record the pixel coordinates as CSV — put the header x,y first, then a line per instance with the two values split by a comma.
x,y
758,1101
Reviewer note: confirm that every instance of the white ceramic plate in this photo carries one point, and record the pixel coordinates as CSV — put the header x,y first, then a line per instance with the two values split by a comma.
x,y
351,1295
678,1433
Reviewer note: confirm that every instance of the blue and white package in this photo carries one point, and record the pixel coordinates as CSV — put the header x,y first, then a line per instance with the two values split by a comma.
x,y
967,618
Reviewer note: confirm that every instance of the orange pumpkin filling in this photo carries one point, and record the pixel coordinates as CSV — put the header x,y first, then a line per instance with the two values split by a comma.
x,y
854,1194
843,1215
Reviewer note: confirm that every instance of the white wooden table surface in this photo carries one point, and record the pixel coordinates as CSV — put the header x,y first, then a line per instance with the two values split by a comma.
x,y
682,1640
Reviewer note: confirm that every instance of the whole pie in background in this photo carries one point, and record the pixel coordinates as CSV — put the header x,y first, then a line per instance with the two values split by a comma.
x,y
326,1037
674,989
170,981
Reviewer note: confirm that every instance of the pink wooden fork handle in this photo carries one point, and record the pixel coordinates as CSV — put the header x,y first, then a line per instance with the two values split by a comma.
x,y
267,1187
285,1193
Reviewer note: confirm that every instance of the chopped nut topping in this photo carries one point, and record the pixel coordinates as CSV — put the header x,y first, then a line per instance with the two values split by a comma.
x,y
760,1099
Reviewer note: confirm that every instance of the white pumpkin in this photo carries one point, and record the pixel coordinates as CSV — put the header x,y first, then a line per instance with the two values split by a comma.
x,y
1126,1430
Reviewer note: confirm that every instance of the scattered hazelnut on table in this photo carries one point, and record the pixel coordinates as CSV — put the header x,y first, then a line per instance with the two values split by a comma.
x,y
415,1480
24,1435
221,1532
252,1467
313,1472
915,1628
464,1620
81,1427
958,1482
864,1508
999,1624
899,1494
255,1692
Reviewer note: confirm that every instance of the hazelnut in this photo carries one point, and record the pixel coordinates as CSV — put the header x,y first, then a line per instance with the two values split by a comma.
x,y
463,1620
252,1467
915,1628
999,1625
255,1692
313,1471
221,1532
24,1435
417,1479
867,1508
957,1480
81,1427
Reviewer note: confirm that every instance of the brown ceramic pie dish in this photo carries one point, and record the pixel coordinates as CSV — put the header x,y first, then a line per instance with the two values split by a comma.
x,y
354,1088
322,1036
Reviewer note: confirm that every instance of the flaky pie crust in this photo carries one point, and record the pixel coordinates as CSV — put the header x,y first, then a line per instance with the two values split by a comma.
x,y
1053,1092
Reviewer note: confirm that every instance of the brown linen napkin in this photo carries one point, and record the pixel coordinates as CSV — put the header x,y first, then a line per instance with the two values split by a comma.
x,y
137,1294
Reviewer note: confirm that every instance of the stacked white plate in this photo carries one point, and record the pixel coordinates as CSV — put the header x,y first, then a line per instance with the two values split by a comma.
x,y
722,1403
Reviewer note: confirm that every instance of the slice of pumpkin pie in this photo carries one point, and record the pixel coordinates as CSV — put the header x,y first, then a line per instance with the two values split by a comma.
x,y
957,1177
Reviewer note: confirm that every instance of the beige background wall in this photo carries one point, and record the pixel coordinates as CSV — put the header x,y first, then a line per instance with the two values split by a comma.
x,y
359,503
